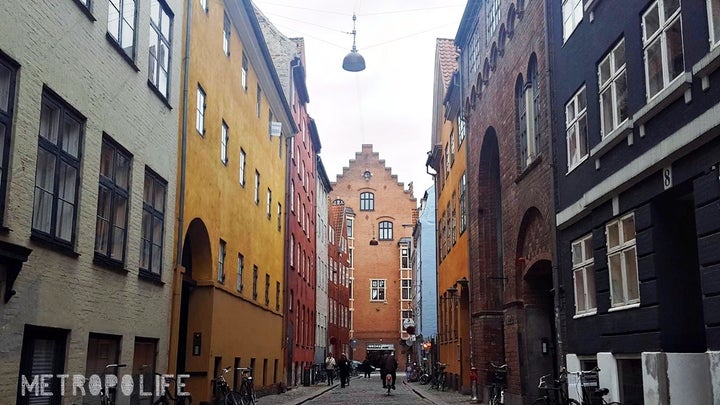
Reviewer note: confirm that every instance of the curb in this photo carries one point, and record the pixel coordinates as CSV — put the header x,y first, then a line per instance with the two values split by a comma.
x,y
315,395
420,394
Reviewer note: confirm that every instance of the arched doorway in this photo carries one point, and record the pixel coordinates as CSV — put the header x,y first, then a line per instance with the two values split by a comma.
x,y
538,357
196,259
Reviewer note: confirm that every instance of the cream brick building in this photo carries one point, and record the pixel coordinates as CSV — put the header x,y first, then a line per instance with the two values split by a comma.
x,y
88,156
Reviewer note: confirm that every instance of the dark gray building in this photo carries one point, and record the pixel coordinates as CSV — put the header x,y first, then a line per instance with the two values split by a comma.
x,y
636,92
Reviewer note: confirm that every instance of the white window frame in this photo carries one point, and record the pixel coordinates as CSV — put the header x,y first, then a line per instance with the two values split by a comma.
x,y
406,289
244,72
224,138
625,245
405,256
221,261
200,108
462,129
615,75
583,271
204,5
573,123
649,39
243,161
572,14
713,12
378,285
226,35
492,18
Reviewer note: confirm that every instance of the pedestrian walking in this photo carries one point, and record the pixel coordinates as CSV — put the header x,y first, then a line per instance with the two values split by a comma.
x,y
344,370
367,368
330,368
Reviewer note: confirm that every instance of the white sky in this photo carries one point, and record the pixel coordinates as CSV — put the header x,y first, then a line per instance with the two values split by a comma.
x,y
389,104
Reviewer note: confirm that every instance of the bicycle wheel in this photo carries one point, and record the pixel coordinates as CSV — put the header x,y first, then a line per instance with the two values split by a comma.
x,y
612,403
494,396
424,379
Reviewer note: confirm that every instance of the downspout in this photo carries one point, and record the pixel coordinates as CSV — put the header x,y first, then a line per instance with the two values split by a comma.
x,y
559,349
183,149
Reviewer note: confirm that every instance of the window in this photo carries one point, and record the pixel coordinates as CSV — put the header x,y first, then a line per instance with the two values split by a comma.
x,y
447,160
269,203
112,207
576,124
612,81
492,18
572,12
226,35
102,350
521,120
57,179
385,230
714,20
279,216
43,352
292,194
292,250
204,5
258,105
622,261
377,290
161,21
404,256
527,97
153,223
240,268
224,138
277,295
462,130
267,290
7,106
662,45
406,289
350,260
463,203
453,219
452,147
121,24
255,276
367,201
243,160
349,225
221,262
200,114
257,187
244,71
584,276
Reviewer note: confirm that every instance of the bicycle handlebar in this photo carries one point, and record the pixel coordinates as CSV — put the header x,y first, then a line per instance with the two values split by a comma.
x,y
115,365
495,366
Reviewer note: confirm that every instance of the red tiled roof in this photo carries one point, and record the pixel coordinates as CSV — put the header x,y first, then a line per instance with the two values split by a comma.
x,y
447,58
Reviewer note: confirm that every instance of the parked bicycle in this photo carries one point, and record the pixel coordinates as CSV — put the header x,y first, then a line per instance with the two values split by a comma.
x,y
424,376
107,395
588,388
497,377
247,388
553,390
167,398
439,380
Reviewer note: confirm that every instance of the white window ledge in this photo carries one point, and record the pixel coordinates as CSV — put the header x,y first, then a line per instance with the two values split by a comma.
x,y
624,307
590,5
616,136
586,314
708,64
663,99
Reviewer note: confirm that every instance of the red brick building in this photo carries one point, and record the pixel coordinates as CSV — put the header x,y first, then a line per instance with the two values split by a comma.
x,y
504,84
338,279
380,280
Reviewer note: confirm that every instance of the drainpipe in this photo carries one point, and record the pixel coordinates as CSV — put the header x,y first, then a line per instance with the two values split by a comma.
x,y
183,149
559,349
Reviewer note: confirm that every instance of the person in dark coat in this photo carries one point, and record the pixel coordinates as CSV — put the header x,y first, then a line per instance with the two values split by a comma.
x,y
344,369
390,365
366,367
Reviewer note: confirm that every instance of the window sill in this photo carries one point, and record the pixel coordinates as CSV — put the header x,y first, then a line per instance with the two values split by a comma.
x,y
53,244
108,263
616,136
535,162
586,314
576,165
624,307
590,5
708,64
157,92
151,277
85,10
663,99
121,51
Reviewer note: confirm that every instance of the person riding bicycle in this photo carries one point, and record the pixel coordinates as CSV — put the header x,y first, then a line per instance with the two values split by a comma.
x,y
389,366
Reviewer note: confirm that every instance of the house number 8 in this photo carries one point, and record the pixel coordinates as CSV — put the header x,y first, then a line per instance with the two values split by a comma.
x,y
667,177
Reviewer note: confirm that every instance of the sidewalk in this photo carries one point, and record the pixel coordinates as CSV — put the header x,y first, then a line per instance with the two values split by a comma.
x,y
298,395
438,397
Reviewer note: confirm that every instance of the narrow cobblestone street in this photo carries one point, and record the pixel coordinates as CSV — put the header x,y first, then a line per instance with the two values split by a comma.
x,y
363,391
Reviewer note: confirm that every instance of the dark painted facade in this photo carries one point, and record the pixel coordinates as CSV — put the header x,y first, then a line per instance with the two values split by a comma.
x,y
636,152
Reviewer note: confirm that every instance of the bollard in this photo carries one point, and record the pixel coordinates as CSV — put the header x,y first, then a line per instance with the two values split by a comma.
x,y
473,381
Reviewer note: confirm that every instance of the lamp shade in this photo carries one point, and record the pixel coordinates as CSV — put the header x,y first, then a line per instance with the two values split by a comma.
x,y
353,62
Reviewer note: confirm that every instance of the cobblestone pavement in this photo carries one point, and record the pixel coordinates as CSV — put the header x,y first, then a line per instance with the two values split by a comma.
x,y
362,391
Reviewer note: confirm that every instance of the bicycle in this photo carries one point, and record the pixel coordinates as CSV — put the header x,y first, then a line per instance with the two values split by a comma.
x,y
247,389
497,377
222,391
439,380
167,398
106,396
554,386
588,388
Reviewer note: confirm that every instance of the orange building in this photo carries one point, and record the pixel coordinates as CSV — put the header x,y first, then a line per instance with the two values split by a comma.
x,y
231,203
448,158
380,238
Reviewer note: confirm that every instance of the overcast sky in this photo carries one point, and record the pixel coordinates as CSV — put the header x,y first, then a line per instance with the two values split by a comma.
x,y
389,104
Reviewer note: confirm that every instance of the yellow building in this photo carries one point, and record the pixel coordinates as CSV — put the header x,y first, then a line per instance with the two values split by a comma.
x,y
448,158
227,302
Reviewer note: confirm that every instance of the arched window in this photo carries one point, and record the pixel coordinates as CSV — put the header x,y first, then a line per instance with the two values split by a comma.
x,y
520,121
385,231
528,114
367,201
